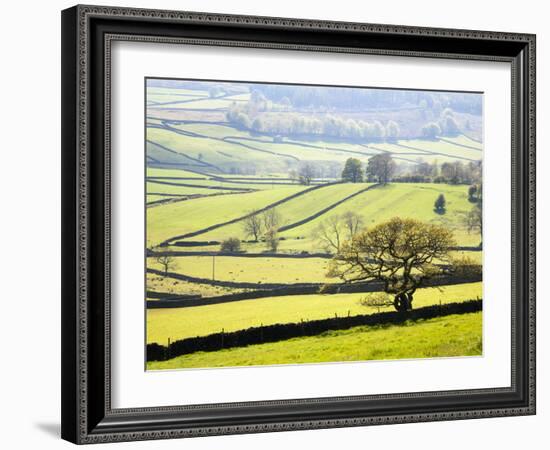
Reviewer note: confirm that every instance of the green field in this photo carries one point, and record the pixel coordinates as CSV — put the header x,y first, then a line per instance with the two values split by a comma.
x,y
465,140
298,208
253,270
157,198
213,151
264,269
167,156
157,283
175,181
374,206
318,150
220,152
162,188
223,146
322,151
164,222
455,335
444,148
165,91
174,173
211,103
179,323
404,200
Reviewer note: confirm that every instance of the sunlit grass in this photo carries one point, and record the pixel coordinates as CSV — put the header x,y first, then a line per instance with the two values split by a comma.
x,y
179,323
455,335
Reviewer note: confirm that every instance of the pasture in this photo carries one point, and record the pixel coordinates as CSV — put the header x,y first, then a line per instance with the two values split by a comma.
x,y
179,323
222,146
253,270
220,153
458,335
175,219
374,206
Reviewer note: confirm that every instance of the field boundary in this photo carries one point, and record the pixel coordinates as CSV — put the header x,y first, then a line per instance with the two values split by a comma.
x,y
200,186
167,127
199,162
471,147
280,290
433,152
238,219
325,210
281,332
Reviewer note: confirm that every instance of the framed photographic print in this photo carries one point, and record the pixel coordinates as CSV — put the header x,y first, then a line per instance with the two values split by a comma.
x,y
282,224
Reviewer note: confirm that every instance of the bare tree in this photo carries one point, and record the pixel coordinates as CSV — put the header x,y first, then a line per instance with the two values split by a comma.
x,y
335,230
330,234
306,173
353,223
293,175
399,253
272,239
252,225
167,261
474,220
271,219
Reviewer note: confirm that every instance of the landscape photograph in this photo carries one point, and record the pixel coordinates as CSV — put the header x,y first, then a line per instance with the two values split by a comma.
x,y
300,224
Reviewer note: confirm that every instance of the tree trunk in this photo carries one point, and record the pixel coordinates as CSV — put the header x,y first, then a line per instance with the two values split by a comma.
x,y
410,300
403,301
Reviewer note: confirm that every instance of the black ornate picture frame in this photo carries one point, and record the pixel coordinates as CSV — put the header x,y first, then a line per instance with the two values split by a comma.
x,y
87,35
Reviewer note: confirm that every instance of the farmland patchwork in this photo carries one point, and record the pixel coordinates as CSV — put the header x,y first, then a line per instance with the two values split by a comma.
x,y
302,224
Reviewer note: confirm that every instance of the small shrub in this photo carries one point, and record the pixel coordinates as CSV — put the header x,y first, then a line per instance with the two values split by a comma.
x,y
465,267
376,300
231,245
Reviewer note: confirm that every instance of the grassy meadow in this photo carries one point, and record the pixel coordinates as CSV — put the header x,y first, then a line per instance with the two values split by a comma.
x,y
219,154
180,323
449,336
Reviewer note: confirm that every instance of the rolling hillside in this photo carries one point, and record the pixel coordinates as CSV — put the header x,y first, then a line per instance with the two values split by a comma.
x,y
179,323
222,157
373,205
441,337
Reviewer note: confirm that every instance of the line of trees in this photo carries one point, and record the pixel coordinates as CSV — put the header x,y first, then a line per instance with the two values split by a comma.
x,y
446,125
358,98
382,168
265,116
455,172
330,125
